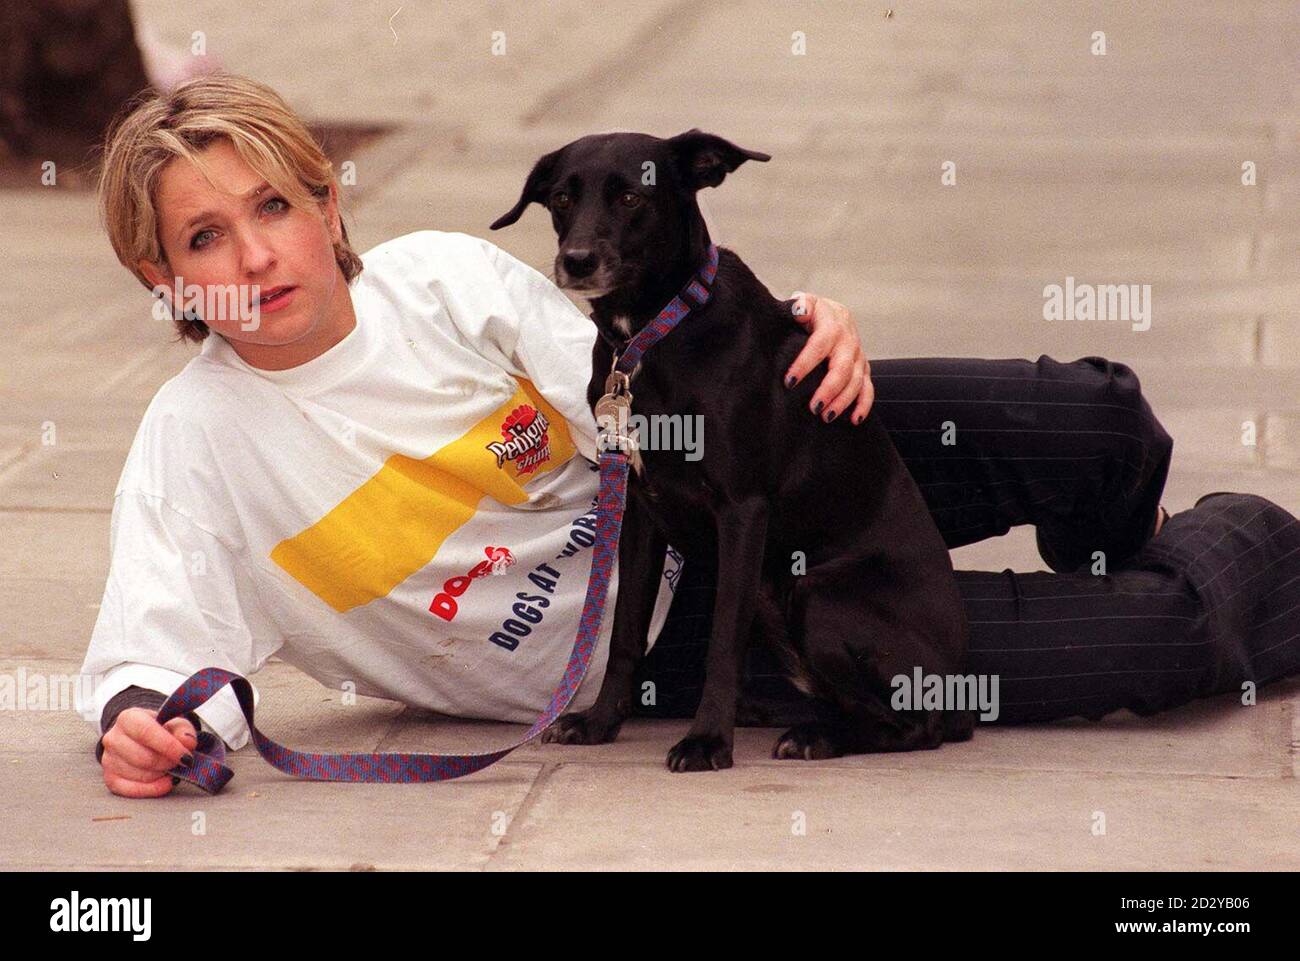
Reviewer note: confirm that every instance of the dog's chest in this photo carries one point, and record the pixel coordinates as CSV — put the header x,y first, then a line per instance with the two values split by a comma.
x,y
684,513
624,327
678,494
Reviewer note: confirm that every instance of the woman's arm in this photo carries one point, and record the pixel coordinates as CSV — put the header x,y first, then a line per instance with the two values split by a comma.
x,y
177,598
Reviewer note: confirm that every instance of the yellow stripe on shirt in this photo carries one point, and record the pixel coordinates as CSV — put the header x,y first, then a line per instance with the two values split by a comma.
x,y
393,524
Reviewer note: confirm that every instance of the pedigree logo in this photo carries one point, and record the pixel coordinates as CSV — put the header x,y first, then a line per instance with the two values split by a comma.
x,y
444,602
525,439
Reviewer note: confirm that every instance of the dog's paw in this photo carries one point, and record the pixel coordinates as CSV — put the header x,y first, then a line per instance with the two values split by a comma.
x,y
807,742
580,728
706,752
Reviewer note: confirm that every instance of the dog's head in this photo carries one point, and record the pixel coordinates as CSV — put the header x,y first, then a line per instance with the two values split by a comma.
x,y
623,204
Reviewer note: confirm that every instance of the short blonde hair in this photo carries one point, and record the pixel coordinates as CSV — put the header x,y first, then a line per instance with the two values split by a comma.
x,y
154,128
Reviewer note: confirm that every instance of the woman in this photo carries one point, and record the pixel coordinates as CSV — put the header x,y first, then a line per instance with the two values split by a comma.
x,y
370,469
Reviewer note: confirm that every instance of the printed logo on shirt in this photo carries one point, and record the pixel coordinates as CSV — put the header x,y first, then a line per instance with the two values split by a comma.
x,y
526,441
393,524
530,609
444,602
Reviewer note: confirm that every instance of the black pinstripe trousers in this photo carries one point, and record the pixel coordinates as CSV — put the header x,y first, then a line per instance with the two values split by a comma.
x,y
1123,619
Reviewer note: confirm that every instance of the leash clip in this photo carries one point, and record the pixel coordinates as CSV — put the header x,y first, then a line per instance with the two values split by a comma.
x,y
618,383
613,412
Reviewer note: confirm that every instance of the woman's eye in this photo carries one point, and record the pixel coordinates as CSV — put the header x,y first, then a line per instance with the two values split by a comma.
x,y
276,200
196,241
630,199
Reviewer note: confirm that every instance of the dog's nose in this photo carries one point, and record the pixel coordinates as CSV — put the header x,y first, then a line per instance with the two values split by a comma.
x,y
579,262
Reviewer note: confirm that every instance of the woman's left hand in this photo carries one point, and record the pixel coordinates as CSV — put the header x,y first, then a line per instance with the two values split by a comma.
x,y
834,334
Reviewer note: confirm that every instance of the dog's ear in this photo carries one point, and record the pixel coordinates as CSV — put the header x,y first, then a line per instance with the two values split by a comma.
x,y
536,189
704,159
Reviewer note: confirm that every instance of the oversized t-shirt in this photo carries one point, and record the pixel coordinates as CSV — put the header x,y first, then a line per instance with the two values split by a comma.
x,y
409,515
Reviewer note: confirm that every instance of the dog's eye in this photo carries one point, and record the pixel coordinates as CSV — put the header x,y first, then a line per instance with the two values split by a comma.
x,y
560,201
630,199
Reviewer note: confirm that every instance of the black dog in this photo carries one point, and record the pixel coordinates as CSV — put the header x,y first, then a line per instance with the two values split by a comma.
x,y
773,495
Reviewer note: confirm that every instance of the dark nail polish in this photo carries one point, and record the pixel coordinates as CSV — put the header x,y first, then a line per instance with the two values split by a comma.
x,y
830,417
187,759
818,408
175,780
789,381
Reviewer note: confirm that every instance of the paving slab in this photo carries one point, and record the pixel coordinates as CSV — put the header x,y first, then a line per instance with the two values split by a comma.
x,y
777,819
262,820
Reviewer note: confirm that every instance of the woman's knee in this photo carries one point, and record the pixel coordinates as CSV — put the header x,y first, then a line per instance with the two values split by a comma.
x,y
1122,412
1135,455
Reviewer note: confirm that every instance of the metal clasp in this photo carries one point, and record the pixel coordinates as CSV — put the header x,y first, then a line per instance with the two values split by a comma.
x,y
618,382
613,411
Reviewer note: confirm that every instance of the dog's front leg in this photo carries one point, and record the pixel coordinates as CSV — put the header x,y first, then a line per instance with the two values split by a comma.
x,y
641,550
742,532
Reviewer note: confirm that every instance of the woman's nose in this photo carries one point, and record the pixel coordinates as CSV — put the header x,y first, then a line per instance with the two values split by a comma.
x,y
256,254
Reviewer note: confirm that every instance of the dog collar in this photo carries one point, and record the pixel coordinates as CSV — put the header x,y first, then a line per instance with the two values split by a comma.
x,y
697,290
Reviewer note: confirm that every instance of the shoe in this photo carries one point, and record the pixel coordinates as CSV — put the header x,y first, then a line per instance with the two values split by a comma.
x,y
1205,497
1054,559
1063,564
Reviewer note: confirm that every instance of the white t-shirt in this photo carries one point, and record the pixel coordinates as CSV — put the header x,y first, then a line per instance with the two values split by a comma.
x,y
405,516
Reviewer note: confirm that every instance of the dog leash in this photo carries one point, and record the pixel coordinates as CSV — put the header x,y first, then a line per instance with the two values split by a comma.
x,y
209,770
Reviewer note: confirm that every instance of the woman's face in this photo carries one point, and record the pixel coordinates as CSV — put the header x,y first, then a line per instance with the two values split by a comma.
x,y
237,245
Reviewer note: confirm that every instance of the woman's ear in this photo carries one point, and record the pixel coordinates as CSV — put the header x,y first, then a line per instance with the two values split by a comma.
x,y
161,284
332,218
156,274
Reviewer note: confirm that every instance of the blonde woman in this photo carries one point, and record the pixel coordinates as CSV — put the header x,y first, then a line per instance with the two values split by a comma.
x,y
379,468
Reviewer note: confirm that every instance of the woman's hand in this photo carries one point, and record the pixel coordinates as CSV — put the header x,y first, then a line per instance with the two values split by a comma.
x,y
834,335
139,752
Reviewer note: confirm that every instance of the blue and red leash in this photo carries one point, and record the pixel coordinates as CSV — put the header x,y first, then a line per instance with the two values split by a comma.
x,y
209,771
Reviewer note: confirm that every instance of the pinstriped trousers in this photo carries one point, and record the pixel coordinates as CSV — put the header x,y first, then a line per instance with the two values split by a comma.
x,y
1208,604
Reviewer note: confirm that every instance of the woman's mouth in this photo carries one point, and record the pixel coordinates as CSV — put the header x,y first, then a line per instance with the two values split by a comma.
x,y
275,299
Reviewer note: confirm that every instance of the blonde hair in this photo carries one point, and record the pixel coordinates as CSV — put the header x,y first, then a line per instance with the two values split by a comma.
x,y
154,129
